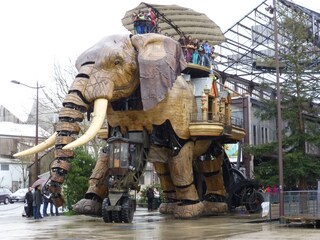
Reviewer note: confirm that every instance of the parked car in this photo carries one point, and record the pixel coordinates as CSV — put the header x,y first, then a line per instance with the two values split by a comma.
x,y
5,195
19,195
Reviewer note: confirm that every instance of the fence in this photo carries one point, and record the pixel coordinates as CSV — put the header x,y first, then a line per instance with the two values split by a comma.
x,y
306,203
296,204
210,117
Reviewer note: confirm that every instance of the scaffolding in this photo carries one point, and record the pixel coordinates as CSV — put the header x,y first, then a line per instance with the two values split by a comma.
x,y
246,59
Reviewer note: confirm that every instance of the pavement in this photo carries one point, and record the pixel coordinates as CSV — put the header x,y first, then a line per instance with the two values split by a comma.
x,y
147,225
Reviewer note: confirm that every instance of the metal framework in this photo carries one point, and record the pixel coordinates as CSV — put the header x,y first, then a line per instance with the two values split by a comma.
x,y
252,39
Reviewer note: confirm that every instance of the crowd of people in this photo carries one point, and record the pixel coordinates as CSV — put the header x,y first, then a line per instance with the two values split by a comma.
x,y
273,189
145,22
195,51
37,197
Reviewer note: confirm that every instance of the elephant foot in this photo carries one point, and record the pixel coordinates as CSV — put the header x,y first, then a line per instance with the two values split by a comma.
x,y
167,208
214,208
88,207
189,210
214,204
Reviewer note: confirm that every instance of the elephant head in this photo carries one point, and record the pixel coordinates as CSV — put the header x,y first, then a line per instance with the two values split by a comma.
x,y
111,70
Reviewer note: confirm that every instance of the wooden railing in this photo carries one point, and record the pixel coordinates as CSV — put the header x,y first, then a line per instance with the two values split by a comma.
x,y
215,118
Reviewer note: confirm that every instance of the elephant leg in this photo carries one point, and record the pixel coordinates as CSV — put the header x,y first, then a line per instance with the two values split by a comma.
x,y
215,197
97,191
182,177
169,191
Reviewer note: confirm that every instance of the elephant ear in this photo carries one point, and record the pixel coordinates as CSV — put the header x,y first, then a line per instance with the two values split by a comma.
x,y
160,61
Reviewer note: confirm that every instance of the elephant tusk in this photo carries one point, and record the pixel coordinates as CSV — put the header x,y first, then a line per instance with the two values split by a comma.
x,y
40,147
99,114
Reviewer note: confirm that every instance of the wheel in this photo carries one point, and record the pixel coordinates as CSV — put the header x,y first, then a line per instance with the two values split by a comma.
x,y
6,200
253,201
127,210
239,193
106,215
235,196
116,216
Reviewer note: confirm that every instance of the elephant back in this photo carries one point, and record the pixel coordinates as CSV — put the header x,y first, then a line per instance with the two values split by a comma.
x,y
176,107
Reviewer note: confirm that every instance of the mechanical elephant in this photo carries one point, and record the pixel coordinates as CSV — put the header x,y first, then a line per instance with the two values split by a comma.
x,y
133,85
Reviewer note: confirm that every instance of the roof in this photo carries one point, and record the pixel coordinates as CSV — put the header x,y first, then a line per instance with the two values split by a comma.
x,y
4,160
177,21
19,110
10,129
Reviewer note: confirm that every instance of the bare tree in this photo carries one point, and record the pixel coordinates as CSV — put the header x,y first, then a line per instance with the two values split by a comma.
x,y
63,77
22,168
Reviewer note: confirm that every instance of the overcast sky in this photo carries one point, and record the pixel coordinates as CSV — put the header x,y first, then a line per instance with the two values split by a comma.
x,y
35,34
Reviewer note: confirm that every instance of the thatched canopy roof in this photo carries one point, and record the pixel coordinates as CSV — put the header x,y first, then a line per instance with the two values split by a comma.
x,y
176,21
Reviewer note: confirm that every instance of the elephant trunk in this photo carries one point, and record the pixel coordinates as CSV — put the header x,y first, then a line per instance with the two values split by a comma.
x,y
81,94
74,105
69,117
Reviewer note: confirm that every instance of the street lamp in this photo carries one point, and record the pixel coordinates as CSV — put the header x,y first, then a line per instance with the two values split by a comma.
x,y
272,10
36,162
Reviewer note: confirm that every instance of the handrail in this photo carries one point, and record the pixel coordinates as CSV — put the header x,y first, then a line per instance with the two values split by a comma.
x,y
215,118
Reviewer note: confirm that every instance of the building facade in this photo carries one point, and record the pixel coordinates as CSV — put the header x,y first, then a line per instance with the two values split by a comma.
x,y
15,135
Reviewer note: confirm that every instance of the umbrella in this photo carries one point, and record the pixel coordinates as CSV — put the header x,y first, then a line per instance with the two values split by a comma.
x,y
40,181
177,21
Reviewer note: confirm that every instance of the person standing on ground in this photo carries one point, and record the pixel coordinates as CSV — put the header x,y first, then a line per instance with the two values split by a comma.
x,y
51,208
46,199
150,196
29,200
37,201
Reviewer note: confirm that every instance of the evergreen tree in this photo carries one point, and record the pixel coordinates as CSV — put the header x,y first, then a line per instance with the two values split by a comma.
x,y
76,183
300,94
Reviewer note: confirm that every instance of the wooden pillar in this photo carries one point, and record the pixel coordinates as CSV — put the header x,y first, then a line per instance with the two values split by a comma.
x,y
215,94
228,110
215,109
222,110
204,106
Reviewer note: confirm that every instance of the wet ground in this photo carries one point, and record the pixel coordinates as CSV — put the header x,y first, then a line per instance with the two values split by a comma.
x,y
145,225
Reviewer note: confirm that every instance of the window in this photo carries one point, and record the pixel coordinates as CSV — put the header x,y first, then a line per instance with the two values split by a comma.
x,y
4,167
266,135
254,135
124,155
141,180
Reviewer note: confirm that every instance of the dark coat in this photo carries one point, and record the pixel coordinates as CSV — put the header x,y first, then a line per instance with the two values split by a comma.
x,y
37,197
46,194
150,193
29,197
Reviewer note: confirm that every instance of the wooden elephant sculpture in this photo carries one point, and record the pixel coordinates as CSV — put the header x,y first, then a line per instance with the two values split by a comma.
x,y
133,84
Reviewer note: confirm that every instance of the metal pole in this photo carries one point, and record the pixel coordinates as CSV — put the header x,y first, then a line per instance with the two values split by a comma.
x,y
279,117
36,160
